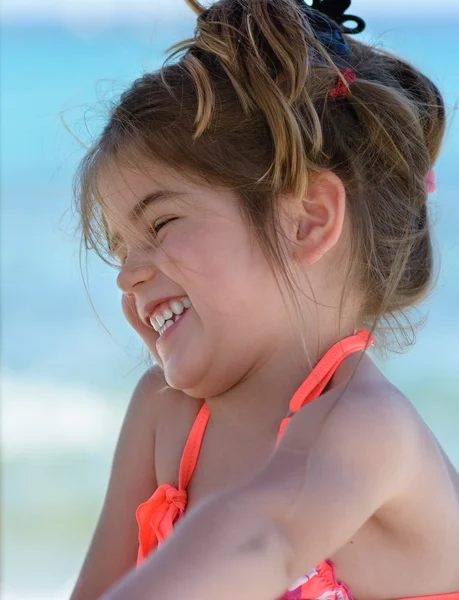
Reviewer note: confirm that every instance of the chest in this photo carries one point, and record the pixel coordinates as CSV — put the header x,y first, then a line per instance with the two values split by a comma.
x,y
226,458
228,455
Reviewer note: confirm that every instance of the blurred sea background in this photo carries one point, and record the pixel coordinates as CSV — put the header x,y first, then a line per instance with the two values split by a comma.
x,y
65,381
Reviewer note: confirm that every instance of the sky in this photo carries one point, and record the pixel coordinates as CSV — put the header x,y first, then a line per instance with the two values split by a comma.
x,y
137,10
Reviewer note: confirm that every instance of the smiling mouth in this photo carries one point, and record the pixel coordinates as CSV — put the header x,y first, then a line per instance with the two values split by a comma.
x,y
168,311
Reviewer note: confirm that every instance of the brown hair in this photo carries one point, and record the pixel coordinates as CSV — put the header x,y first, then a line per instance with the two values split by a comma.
x,y
246,106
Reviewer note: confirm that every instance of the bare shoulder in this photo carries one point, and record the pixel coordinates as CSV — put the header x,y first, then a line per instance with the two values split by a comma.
x,y
377,426
379,409
152,381
148,395
132,481
154,400
366,428
362,412
380,419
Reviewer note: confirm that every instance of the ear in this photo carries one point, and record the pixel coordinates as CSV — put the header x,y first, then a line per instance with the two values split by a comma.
x,y
318,217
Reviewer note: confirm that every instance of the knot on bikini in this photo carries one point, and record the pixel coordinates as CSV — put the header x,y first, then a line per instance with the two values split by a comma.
x,y
176,497
156,517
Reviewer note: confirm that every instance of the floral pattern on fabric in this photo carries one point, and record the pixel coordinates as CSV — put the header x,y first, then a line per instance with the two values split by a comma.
x,y
317,584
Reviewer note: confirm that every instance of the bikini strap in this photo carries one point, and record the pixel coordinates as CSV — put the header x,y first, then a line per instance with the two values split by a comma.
x,y
192,447
324,370
319,377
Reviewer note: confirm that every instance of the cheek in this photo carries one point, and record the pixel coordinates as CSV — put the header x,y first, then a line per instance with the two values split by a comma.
x,y
220,261
195,251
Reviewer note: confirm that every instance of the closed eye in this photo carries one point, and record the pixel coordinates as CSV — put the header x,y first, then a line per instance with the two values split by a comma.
x,y
156,228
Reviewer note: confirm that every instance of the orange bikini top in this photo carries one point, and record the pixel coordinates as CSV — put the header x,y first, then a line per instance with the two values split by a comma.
x,y
157,516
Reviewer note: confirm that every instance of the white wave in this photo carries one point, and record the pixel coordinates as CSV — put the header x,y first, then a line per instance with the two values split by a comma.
x,y
45,417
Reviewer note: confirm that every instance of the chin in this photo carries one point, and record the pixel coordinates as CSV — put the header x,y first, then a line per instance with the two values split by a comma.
x,y
185,373
213,383
198,378
189,386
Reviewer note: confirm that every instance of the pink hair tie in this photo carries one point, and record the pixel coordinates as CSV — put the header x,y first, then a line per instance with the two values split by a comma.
x,y
429,179
340,89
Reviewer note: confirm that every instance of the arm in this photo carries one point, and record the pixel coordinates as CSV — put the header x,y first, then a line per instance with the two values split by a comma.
x,y
113,549
364,459
253,542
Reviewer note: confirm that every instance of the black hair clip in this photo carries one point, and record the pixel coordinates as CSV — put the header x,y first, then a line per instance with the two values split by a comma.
x,y
326,18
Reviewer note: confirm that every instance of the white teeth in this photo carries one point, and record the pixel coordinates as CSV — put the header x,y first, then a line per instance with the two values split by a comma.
x,y
168,323
170,315
177,307
167,314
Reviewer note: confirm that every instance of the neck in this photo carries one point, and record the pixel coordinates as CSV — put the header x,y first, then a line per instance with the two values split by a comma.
x,y
260,400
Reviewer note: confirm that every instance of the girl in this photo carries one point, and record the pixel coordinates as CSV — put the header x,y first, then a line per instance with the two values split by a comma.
x,y
266,198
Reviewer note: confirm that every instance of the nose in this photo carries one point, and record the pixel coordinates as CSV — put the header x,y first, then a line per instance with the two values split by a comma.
x,y
132,274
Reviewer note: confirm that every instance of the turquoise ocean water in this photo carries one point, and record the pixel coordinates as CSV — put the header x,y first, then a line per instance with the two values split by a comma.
x,y
65,381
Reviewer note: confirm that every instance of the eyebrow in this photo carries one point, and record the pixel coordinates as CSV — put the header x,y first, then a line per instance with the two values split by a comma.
x,y
134,214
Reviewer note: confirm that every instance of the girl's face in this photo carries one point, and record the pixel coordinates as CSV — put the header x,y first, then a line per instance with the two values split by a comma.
x,y
203,250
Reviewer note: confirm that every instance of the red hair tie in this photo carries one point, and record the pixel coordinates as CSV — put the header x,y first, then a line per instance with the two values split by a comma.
x,y
340,89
